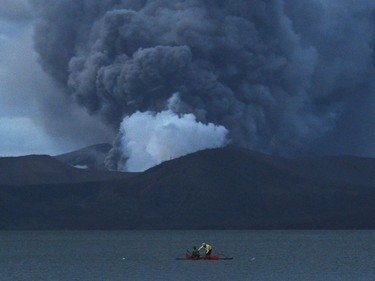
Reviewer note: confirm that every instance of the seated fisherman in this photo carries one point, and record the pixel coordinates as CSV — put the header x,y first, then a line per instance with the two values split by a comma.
x,y
195,253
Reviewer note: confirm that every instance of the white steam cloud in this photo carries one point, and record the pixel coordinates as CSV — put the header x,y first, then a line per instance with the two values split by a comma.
x,y
148,138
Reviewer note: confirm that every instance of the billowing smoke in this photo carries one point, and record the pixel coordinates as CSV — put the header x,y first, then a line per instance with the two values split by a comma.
x,y
150,138
281,75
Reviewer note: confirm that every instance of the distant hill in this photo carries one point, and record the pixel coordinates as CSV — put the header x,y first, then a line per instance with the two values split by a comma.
x,y
226,188
44,169
91,157
238,188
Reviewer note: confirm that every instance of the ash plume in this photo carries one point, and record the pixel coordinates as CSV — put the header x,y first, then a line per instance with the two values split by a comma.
x,y
281,75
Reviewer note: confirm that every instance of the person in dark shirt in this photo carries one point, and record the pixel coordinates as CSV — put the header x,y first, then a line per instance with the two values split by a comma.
x,y
195,253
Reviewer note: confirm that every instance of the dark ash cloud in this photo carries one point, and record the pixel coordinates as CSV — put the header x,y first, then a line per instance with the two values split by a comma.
x,y
281,76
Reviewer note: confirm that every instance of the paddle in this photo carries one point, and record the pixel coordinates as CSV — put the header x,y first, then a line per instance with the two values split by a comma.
x,y
225,257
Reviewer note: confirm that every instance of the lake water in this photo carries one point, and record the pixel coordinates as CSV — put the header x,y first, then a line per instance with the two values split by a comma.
x,y
150,255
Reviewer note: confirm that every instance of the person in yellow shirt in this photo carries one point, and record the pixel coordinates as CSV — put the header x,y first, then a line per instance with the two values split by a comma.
x,y
207,248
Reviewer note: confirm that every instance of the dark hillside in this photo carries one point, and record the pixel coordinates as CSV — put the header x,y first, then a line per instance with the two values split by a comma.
x,y
217,188
234,187
44,169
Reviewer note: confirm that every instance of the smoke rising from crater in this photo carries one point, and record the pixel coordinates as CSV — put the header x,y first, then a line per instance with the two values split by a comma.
x,y
281,76
150,138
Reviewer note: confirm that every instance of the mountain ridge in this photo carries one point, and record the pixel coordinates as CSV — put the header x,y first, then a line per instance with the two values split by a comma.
x,y
225,188
91,157
45,169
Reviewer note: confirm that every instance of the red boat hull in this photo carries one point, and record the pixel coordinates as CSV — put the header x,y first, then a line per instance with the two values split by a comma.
x,y
214,257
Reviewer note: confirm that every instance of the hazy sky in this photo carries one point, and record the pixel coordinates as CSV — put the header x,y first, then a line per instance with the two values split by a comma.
x,y
20,79
27,95
282,76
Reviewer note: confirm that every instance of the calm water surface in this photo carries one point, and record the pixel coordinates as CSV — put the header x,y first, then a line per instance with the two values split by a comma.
x,y
150,255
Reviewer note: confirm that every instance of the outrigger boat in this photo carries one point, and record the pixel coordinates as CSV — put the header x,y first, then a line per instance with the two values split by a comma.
x,y
214,257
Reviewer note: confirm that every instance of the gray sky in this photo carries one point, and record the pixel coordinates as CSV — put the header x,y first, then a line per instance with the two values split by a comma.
x,y
20,79
28,96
